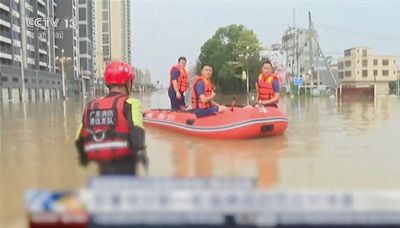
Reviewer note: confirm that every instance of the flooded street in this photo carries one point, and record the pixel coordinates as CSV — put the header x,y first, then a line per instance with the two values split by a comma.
x,y
327,145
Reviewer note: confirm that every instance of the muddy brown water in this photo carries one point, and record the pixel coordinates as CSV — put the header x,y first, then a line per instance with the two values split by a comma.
x,y
328,145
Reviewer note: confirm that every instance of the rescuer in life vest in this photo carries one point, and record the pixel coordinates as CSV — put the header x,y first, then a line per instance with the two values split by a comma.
x,y
203,94
111,132
178,84
267,86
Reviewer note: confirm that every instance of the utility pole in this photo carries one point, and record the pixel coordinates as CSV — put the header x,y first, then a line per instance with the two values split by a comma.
x,y
23,49
296,42
310,48
247,69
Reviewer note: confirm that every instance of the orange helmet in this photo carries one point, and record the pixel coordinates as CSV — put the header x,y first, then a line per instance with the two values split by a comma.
x,y
118,73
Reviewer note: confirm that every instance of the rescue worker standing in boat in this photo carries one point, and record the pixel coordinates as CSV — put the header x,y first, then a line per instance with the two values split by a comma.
x,y
179,81
111,132
203,94
267,86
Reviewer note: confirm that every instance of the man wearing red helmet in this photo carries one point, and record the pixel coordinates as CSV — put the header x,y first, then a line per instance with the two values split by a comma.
x,y
111,132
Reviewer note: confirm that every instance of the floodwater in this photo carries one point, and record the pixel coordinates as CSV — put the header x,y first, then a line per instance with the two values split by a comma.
x,y
328,145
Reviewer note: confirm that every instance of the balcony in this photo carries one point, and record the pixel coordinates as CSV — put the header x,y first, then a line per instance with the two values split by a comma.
x,y
40,13
41,2
30,47
5,23
4,7
43,64
42,51
29,7
4,37
5,56
30,61
30,34
41,38
15,13
17,43
17,58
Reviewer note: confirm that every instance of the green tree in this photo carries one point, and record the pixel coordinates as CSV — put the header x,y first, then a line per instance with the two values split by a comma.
x,y
227,51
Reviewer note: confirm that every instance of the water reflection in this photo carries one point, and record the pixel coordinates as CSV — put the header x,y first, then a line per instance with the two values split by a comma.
x,y
193,157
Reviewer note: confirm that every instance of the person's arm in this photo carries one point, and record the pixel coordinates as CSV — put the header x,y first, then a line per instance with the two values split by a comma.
x,y
83,160
271,101
206,99
175,75
134,114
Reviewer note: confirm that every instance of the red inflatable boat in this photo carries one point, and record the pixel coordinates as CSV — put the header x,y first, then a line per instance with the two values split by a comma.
x,y
241,123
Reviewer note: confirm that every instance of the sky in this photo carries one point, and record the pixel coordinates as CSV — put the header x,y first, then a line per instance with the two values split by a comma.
x,y
163,30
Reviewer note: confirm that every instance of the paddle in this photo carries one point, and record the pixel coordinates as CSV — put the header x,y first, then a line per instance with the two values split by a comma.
x,y
259,106
233,102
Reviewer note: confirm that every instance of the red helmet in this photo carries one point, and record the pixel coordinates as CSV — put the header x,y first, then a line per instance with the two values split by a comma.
x,y
118,73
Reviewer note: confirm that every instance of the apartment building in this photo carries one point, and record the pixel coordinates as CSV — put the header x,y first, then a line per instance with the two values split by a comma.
x,y
360,66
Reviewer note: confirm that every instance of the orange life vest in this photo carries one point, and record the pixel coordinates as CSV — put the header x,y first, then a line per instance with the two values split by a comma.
x,y
183,79
208,87
105,129
265,87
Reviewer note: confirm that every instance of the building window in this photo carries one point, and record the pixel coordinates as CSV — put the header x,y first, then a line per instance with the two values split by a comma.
x,y
106,50
347,63
375,62
106,39
347,52
105,4
365,63
340,75
340,65
364,52
375,72
347,74
105,27
358,61
4,79
82,30
105,16
385,73
82,14
385,62
26,80
15,79
365,73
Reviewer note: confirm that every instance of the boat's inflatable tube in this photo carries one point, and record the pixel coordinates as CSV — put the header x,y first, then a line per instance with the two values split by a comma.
x,y
241,123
